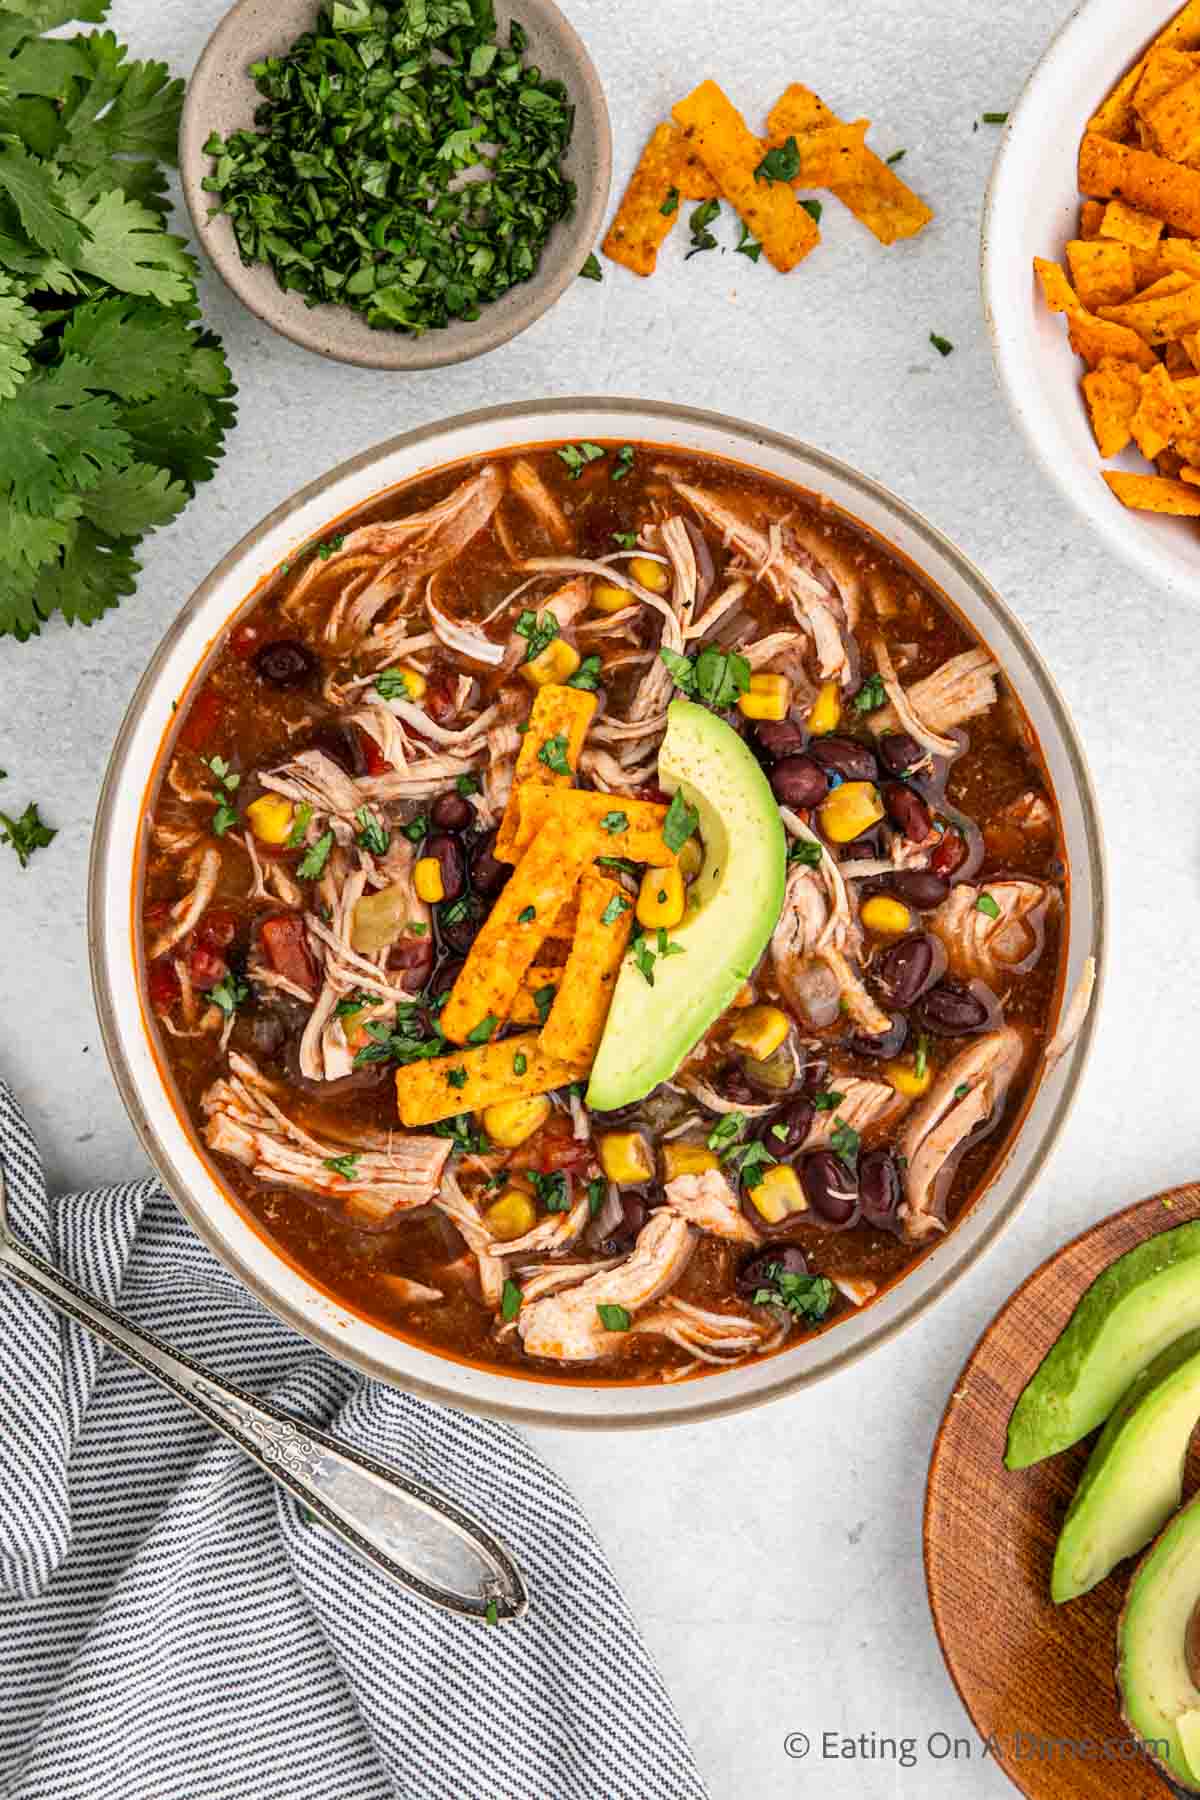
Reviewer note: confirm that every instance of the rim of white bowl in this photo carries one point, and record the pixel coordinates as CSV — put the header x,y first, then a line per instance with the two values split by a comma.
x,y
183,654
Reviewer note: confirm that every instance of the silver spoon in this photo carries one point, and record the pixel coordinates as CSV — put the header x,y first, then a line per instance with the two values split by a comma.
x,y
421,1540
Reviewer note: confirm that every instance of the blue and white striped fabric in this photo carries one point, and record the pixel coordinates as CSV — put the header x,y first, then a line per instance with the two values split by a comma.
x,y
171,1629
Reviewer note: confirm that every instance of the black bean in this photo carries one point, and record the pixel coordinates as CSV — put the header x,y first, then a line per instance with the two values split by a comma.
x,y
816,1071
779,737
634,1211
829,1188
487,875
919,887
755,1273
287,663
906,809
799,781
343,746
886,1044
448,973
451,861
899,753
784,1132
879,1188
866,847
903,971
459,934
846,757
450,812
950,1010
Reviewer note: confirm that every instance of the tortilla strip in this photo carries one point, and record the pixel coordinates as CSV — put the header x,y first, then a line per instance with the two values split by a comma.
x,y
1174,120
1094,339
1161,415
1111,171
1115,119
507,943
1154,493
537,978
1159,316
1137,229
573,1030
872,191
576,815
483,1075
1091,217
1102,271
557,712
640,225
1113,392
731,153
1057,291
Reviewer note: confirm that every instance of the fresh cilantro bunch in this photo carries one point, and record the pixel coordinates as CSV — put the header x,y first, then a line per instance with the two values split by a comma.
x,y
355,187
113,400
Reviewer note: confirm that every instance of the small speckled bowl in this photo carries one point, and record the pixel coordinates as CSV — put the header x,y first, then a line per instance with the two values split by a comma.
x,y
222,97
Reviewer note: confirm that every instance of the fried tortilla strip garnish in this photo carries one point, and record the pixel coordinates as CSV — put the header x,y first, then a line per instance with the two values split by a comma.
x,y
731,153
1154,493
1139,230
1161,313
577,1018
1113,392
633,831
513,933
1110,171
483,1075
1116,117
1091,215
537,995
1102,271
641,224
874,193
559,713
1161,415
1057,291
1174,120
1094,339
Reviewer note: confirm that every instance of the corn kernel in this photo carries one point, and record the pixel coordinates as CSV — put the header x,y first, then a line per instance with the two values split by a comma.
x,y
687,1159
608,598
427,880
904,1078
624,1157
416,683
653,575
510,1122
558,660
778,1194
271,818
690,857
885,916
511,1216
850,809
760,1031
660,900
769,697
826,712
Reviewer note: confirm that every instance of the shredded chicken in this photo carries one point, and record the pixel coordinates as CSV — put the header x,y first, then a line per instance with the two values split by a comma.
x,y
314,779
994,931
863,1104
555,1233
711,1337
465,1217
528,487
188,911
708,1202
965,1098
960,690
814,941
1072,1021
568,1326
906,712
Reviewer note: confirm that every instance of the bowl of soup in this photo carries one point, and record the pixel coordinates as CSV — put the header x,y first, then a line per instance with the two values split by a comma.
x,y
593,909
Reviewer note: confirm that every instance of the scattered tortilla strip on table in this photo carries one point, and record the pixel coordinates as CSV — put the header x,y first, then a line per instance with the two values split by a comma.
x,y
872,191
577,1018
1094,338
482,1075
828,156
641,224
1057,291
1153,493
731,153
1140,230
1102,271
1158,316
558,712
513,933
1115,119
1113,393
1110,171
580,816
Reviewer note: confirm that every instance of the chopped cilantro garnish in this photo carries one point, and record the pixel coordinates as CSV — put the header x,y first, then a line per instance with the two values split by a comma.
x,y
986,904
809,1297
597,1188
416,828
670,205
543,999
520,1063
587,675
681,821
921,1057
466,785
995,118
537,632
702,217
578,456
780,164
615,1318
373,835
726,1131
481,1033
748,245
622,463
527,915
456,1078
827,1101
870,696
715,677
345,1166
615,821
312,864
510,1306
844,1142
553,754
643,959
392,684
226,816
942,345
551,1190
299,831
802,851
962,1090
612,912
896,156
626,539
228,994
814,209
591,270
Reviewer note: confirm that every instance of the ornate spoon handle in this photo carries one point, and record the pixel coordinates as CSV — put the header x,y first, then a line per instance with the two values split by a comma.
x,y
421,1540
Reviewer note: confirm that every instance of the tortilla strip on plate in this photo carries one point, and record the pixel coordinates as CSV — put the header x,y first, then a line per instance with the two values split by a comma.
x,y
513,932
1094,338
575,814
557,712
573,1030
1153,493
1127,225
731,153
1161,315
640,225
483,1075
1057,291
872,191
1102,271
1115,119
1111,171
1113,393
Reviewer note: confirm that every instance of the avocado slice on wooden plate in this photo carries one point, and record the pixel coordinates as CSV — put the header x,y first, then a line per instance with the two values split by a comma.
x,y
1135,1310
1158,1650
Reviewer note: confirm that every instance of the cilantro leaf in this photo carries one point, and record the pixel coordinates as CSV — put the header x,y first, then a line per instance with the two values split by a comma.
x,y
312,864
808,1297
553,754
702,217
615,1318
42,204
681,821
591,270
780,164
681,669
26,834
587,675
722,676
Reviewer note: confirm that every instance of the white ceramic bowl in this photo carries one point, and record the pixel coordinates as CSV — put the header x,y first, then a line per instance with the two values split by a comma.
x,y
1032,209
118,846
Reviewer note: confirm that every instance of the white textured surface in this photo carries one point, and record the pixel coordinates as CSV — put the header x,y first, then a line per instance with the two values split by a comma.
x,y
774,1559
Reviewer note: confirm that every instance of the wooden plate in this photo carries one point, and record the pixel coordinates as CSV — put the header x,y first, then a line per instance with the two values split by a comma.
x,y
1025,1668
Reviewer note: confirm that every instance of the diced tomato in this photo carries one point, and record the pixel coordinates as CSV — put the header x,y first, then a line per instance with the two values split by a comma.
x,y
554,1147
376,761
949,853
438,699
200,726
163,985
206,967
650,792
246,639
284,942
218,928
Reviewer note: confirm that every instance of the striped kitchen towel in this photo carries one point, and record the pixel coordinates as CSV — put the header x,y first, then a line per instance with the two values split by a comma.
x,y
171,1629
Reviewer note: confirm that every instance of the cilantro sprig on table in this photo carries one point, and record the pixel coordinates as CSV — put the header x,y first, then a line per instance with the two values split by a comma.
x,y
113,400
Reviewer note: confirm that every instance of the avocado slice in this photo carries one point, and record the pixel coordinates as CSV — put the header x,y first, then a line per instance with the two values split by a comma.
x,y
1134,1478
1139,1305
1157,1640
734,906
